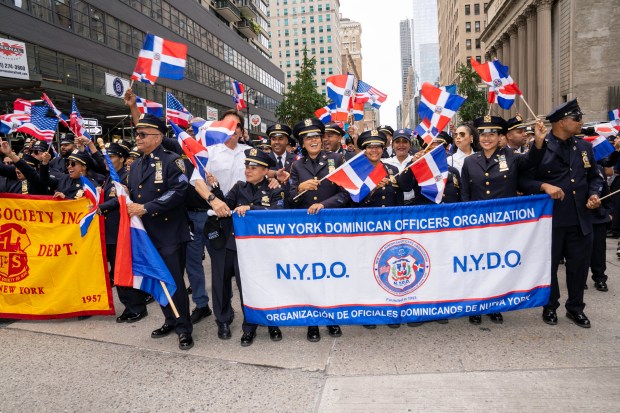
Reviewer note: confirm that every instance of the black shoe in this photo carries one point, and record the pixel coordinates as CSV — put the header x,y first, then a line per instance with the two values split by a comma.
x,y
601,286
199,313
334,331
442,321
550,317
122,318
148,299
394,325
580,319
415,324
314,334
475,319
223,331
133,317
275,334
186,341
162,331
497,318
370,326
247,339
84,317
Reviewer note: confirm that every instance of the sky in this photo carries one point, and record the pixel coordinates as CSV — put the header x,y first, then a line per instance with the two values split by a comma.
x,y
381,46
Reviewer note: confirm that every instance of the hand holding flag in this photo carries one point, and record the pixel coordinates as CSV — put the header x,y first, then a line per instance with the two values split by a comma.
x,y
358,176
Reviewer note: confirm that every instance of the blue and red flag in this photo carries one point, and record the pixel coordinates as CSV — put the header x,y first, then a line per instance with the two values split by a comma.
x,y
62,118
431,173
324,114
77,122
160,58
92,193
614,119
366,93
438,106
40,126
213,132
238,89
176,112
426,131
502,89
196,153
340,91
150,107
601,146
358,176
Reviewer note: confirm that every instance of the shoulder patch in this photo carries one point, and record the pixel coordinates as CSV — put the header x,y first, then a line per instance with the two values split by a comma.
x,y
180,164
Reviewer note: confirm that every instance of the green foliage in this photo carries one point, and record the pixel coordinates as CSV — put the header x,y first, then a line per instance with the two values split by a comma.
x,y
302,99
476,103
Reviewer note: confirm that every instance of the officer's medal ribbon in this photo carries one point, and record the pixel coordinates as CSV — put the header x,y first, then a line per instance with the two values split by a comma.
x,y
265,201
159,174
24,187
586,160
503,165
331,166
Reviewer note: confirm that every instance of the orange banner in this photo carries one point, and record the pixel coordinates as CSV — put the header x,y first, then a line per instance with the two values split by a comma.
x,y
47,270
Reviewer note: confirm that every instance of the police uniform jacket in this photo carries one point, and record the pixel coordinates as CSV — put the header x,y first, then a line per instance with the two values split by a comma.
x,y
600,215
569,165
72,188
287,160
328,193
32,185
58,165
389,195
109,206
258,197
503,175
451,193
158,182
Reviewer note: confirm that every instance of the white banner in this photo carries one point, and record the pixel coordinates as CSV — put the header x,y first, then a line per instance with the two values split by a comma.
x,y
13,59
211,113
115,86
394,265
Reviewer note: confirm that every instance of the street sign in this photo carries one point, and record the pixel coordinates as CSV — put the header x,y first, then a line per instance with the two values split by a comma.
x,y
255,120
92,126
94,130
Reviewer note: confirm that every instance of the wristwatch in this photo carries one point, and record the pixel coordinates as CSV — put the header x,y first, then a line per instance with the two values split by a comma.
x,y
210,198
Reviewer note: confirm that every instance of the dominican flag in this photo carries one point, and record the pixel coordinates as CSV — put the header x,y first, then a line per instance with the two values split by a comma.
x,y
502,89
340,91
176,112
148,106
196,153
160,58
614,119
431,172
605,130
324,114
601,146
92,193
438,106
358,176
138,264
238,89
358,111
76,121
449,89
40,126
426,131
213,132
366,93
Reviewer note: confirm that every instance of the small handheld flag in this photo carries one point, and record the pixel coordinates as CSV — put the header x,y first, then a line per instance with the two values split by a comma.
x,y
238,90
431,172
502,89
76,121
160,58
358,176
366,93
176,112
438,106
40,126
148,106
340,91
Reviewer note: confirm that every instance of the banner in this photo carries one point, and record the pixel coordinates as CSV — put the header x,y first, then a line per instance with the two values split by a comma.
x,y
116,86
394,265
13,59
47,270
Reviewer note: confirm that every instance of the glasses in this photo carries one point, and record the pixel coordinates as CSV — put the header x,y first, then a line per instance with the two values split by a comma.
x,y
576,117
73,164
143,135
34,152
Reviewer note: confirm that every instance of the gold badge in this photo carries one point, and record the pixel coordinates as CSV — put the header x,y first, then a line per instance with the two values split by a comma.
x,y
374,132
278,126
112,192
487,118
503,165
519,118
253,152
79,194
24,186
265,201
159,173
180,164
308,122
586,160
455,181
331,166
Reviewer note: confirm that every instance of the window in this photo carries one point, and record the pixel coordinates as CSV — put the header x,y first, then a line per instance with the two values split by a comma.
x,y
467,10
477,26
468,44
468,60
477,43
476,8
467,27
479,59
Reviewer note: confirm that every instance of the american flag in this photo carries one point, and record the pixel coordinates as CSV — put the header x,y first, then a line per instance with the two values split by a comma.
x,y
76,121
40,126
176,112
367,93
61,117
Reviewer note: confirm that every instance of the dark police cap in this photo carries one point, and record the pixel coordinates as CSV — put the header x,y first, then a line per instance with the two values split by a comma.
x,y
386,129
488,123
81,157
292,141
569,108
134,152
515,123
151,121
254,157
117,149
279,129
445,138
334,128
371,137
67,139
308,127
263,142
402,133
40,146
30,160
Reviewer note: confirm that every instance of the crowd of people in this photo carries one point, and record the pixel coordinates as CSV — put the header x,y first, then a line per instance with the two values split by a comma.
x,y
185,214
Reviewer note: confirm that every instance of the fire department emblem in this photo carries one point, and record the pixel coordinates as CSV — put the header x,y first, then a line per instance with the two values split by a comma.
x,y
13,258
401,266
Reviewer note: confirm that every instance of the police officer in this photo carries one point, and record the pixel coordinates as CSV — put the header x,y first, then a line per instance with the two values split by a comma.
x,y
389,132
515,135
567,173
401,147
495,172
332,139
158,187
308,192
58,165
21,177
600,219
253,194
70,185
134,154
279,136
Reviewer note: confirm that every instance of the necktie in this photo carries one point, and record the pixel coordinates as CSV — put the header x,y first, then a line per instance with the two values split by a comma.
x,y
279,163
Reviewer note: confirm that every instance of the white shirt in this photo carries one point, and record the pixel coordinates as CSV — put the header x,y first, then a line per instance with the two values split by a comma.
x,y
458,159
401,166
227,165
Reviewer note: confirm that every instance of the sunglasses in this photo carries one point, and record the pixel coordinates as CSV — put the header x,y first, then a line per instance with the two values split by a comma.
x,y
143,135
576,117
73,164
35,152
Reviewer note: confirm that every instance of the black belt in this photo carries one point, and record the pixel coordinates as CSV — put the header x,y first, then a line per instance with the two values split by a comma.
x,y
198,209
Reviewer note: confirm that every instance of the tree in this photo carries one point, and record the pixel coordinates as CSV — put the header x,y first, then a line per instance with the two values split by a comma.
x,y
302,99
476,103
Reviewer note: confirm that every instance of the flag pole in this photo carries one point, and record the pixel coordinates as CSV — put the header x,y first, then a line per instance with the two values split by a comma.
x,y
174,308
608,195
528,107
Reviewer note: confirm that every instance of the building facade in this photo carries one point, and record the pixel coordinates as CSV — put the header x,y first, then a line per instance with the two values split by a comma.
x,y
461,22
351,41
314,24
71,45
425,43
557,50
406,53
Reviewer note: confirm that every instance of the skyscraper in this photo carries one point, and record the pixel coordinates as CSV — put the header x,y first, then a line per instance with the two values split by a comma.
x,y
406,53
425,42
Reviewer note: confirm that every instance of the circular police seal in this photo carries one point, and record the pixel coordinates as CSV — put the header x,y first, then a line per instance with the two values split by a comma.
x,y
401,266
117,85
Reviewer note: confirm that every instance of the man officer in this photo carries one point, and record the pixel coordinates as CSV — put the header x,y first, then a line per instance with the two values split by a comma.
x,y
279,135
158,186
567,173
